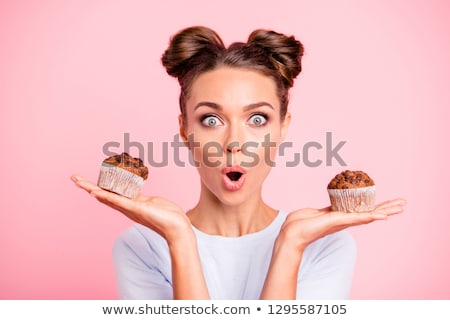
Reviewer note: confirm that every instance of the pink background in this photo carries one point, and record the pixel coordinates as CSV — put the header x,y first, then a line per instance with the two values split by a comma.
x,y
77,74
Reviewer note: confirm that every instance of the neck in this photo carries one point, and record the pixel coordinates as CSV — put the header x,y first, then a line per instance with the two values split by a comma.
x,y
233,219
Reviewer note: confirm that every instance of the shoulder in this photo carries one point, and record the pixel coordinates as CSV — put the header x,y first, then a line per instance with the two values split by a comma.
x,y
340,242
341,239
142,264
139,241
327,266
138,235
334,250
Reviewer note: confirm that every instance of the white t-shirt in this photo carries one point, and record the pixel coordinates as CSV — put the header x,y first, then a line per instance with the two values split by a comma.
x,y
235,268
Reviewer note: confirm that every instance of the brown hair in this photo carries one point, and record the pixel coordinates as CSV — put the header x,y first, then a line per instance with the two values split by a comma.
x,y
196,50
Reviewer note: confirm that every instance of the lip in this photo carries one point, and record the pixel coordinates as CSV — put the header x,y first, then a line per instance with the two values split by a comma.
x,y
230,184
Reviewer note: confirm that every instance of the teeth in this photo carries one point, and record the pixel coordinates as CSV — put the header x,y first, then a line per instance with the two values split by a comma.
x,y
234,176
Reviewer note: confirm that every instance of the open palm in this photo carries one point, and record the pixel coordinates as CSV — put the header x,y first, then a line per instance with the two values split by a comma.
x,y
161,215
307,225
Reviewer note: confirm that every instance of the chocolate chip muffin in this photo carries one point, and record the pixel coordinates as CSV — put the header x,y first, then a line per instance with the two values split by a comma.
x,y
352,191
122,174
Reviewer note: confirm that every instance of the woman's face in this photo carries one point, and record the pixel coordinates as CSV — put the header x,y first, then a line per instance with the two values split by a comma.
x,y
233,129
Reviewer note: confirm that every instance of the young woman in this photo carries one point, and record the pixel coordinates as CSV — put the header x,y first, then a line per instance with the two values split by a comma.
x,y
232,245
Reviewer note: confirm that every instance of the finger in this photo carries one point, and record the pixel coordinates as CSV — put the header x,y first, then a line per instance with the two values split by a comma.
x,y
326,209
304,213
135,216
114,200
373,216
377,214
141,197
84,184
125,205
395,202
389,211
352,220
355,218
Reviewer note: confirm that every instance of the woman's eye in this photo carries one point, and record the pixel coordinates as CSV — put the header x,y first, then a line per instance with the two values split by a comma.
x,y
210,121
258,120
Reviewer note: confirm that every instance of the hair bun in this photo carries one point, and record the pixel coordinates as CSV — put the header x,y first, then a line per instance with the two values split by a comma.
x,y
285,52
188,44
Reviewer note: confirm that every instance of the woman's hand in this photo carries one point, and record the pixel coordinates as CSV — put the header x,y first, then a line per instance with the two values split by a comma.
x,y
304,226
162,216
307,225
169,221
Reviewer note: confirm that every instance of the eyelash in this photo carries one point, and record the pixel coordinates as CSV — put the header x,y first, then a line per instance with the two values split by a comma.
x,y
204,117
265,116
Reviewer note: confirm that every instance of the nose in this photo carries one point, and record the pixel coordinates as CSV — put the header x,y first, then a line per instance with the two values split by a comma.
x,y
233,147
233,143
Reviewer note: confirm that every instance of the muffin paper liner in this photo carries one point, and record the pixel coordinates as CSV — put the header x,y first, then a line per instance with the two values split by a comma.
x,y
353,200
118,180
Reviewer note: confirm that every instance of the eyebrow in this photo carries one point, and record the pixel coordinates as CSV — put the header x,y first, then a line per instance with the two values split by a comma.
x,y
248,107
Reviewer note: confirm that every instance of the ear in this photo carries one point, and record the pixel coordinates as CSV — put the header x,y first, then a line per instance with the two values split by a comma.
x,y
285,125
183,131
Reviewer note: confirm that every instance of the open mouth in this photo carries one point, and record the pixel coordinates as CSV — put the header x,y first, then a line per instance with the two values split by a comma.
x,y
234,175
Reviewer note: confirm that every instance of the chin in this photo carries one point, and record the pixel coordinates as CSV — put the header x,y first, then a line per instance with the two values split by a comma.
x,y
234,198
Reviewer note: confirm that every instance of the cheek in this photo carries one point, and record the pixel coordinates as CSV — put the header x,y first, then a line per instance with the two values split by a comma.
x,y
261,152
206,150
